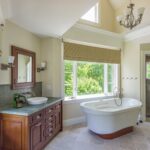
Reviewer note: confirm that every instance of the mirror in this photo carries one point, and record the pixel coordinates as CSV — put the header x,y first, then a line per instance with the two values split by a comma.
x,y
23,72
24,68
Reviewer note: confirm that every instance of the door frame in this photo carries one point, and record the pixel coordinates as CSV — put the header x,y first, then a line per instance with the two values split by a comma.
x,y
143,82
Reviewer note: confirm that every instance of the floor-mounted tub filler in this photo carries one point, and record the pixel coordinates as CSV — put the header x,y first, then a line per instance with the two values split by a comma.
x,y
107,119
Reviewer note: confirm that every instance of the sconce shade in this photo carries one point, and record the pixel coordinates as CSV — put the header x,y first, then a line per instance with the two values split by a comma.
x,y
11,59
42,67
43,64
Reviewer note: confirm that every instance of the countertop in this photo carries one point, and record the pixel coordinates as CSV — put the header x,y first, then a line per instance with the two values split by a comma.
x,y
28,109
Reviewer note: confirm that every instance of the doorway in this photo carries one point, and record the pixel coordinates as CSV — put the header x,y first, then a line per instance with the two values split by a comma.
x,y
147,81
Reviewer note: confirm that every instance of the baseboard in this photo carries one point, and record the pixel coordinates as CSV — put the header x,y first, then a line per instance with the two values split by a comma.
x,y
73,121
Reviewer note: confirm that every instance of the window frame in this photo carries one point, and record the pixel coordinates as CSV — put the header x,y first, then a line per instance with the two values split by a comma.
x,y
105,94
88,22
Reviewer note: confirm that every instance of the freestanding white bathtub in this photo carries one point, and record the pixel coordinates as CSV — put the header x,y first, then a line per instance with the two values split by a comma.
x,y
104,117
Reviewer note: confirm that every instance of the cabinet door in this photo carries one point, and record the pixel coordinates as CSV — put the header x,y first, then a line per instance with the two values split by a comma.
x,y
57,120
37,136
11,135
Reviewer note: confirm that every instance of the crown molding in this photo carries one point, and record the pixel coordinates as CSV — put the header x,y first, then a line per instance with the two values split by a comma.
x,y
97,30
136,34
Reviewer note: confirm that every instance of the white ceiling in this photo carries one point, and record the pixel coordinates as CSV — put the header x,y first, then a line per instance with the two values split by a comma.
x,y
46,17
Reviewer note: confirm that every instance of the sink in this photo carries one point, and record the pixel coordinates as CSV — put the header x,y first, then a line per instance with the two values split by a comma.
x,y
37,100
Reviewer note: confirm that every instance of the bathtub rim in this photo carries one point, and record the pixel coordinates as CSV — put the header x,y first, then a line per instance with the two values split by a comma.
x,y
90,110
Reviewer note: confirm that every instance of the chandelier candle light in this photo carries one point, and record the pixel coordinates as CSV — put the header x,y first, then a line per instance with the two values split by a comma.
x,y
128,20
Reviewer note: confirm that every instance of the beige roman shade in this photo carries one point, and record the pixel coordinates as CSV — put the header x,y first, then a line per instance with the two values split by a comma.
x,y
79,52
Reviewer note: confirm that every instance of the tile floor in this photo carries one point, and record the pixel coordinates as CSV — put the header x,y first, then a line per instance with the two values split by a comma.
x,y
78,137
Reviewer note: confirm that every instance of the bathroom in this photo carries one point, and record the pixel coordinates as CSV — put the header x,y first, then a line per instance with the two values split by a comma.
x,y
49,73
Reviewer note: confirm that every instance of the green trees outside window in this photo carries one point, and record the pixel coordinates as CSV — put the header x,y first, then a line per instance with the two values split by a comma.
x,y
84,78
148,70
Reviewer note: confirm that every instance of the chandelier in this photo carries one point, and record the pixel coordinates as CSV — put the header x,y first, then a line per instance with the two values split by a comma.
x,y
128,20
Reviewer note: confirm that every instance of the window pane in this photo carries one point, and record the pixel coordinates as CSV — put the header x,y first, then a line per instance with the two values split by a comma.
x,y
92,14
90,78
148,70
68,78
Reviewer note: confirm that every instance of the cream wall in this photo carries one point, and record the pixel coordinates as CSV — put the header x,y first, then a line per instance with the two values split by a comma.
x,y
107,16
72,110
132,71
131,66
52,76
15,35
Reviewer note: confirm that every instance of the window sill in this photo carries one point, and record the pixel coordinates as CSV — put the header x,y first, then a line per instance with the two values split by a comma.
x,y
81,99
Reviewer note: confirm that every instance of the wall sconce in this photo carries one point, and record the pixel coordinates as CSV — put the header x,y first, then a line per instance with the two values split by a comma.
x,y
9,65
42,66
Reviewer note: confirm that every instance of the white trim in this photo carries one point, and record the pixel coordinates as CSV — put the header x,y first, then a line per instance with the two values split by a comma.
x,y
62,70
105,78
73,121
143,83
128,36
97,30
137,33
75,79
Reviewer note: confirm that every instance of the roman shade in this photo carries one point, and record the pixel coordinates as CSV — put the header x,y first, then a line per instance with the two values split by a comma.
x,y
80,52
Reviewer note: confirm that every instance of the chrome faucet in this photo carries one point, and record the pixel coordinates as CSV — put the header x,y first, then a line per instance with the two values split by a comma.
x,y
117,93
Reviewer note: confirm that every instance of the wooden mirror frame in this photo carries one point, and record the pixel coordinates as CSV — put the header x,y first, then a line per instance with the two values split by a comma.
x,y
14,70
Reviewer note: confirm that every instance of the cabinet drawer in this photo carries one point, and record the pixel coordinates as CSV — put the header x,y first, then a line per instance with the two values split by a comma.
x,y
49,118
36,117
58,107
50,110
50,123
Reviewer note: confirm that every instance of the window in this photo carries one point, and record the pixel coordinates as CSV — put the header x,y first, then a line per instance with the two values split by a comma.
x,y
88,78
92,15
148,70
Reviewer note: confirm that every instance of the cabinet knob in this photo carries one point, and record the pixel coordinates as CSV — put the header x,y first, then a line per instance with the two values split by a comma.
x,y
50,110
50,129
38,117
50,124
58,106
50,118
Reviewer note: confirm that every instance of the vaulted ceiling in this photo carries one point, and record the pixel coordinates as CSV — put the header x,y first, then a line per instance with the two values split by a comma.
x,y
45,17
55,17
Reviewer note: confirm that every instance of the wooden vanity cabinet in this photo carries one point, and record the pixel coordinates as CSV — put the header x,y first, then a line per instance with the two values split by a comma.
x,y
30,133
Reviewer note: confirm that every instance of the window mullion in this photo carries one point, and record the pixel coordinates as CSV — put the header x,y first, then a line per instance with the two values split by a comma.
x,y
105,79
74,79
116,75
